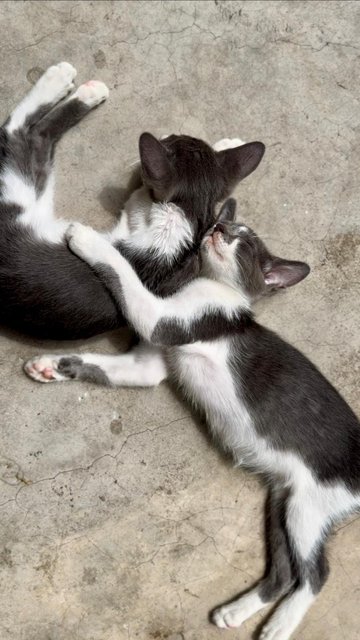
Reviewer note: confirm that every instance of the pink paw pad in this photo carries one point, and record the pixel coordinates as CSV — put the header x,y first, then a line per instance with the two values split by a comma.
x,y
48,373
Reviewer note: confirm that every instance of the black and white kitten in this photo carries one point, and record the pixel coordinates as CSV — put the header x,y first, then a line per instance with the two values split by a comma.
x,y
47,291
264,401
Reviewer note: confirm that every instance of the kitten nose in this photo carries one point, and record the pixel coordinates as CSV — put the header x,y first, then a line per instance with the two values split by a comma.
x,y
219,227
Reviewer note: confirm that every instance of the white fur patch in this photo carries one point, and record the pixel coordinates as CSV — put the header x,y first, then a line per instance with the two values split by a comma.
x,y
38,212
235,613
143,366
288,615
203,372
219,259
15,189
91,93
162,227
227,143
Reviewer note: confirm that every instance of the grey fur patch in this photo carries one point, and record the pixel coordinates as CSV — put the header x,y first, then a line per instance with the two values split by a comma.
x,y
279,571
294,407
75,367
111,281
169,332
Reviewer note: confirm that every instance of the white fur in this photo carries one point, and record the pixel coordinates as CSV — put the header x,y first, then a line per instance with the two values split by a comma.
x,y
161,227
53,85
288,615
227,143
218,258
235,613
15,189
91,93
312,508
144,366
38,211
203,373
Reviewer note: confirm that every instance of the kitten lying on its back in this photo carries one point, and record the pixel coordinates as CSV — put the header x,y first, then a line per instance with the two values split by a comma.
x,y
47,291
264,401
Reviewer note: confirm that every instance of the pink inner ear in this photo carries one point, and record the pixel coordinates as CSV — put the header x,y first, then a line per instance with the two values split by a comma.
x,y
285,273
271,278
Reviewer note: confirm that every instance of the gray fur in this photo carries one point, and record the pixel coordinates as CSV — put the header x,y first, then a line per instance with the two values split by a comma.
x,y
75,367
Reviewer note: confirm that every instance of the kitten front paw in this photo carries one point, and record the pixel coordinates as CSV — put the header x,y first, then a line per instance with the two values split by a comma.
x,y
227,143
52,368
87,243
81,240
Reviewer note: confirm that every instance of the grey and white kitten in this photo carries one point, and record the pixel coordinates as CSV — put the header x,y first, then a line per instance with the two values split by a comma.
x,y
45,289
264,401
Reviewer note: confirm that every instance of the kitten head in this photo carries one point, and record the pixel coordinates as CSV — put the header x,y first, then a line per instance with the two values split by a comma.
x,y
192,175
233,253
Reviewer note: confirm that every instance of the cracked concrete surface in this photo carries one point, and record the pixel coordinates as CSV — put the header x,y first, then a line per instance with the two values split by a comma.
x,y
119,520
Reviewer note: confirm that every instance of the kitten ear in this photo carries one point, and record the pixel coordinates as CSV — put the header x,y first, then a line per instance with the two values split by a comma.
x,y
279,273
155,165
227,211
239,162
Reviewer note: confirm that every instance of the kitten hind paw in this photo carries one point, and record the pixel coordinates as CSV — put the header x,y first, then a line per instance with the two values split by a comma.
x,y
56,82
91,93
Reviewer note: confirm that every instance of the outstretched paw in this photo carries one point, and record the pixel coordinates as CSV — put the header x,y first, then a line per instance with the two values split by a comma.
x,y
224,618
227,143
91,93
56,82
236,612
51,368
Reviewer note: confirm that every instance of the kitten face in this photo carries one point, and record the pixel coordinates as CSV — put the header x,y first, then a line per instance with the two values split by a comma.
x,y
189,173
233,253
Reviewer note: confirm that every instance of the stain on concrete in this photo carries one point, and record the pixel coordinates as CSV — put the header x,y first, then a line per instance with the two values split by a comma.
x,y
116,426
6,558
100,59
89,575
34,74
342,249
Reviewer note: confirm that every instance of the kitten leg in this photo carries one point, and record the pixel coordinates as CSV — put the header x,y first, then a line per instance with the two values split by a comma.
x,y
53,85
179,319
306,523
88,96
143,366
278,579
39,143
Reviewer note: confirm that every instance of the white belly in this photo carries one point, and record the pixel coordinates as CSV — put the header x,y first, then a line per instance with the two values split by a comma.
x,y
202,371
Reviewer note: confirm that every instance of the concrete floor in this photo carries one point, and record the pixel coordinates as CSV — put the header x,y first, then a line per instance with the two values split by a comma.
x,y
119,520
